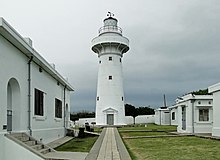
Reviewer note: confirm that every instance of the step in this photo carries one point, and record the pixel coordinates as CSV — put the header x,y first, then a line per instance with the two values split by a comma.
x,y
23,138
38,147
31,143
45,150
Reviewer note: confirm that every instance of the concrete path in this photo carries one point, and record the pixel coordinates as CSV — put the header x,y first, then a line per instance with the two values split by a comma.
x,y
67,155
109,146
59,142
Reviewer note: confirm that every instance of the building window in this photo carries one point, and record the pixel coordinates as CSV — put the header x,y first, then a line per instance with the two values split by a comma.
x,y
58,108
122,98
173,115
97,98
120,60
110,58
38,102
100,61
203,114
199,102
110,77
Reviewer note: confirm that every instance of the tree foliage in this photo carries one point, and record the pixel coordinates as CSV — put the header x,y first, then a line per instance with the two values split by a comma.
x,y
82,114
201,92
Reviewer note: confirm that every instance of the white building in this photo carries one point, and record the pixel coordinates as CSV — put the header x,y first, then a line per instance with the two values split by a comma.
x,y
110,46
35,98
162,116
215,90
194,113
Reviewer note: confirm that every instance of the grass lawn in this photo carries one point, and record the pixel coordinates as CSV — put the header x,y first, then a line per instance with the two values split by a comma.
x,y
78,145
175,148
131,134
96,129
148,127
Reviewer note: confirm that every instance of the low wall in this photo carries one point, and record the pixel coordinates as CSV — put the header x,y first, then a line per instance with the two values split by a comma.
x,y
128,120
140,119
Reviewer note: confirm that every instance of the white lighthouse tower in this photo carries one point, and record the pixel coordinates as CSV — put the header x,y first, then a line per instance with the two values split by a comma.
x,y
110,46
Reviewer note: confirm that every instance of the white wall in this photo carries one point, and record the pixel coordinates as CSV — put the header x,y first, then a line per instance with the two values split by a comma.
x,y
82,121
140,119
215,90
47,127
13,65
175,120
129,120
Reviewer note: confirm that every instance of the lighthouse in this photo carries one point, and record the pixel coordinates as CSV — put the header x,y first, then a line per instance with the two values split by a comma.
x,y
110,46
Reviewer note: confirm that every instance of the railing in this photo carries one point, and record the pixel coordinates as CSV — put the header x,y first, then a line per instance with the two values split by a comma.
x,y
110,29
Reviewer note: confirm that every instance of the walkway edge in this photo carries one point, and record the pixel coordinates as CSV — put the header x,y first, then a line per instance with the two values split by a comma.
x,y
94,152
121,147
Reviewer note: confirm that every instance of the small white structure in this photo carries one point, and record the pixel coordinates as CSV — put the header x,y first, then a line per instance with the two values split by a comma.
x,y
110,46
194,113
35,98
215,90
162,116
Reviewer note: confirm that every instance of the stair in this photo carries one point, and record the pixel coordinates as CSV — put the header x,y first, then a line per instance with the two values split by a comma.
x,y
31,144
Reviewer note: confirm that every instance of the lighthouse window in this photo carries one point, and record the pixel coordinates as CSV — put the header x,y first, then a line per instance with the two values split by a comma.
x,y
120,59
110,58
97,98
122,98
110,77
100,62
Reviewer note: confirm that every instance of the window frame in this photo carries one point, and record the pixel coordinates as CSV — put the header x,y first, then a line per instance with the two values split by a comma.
x,y
203,115
38,102
173,116
58,108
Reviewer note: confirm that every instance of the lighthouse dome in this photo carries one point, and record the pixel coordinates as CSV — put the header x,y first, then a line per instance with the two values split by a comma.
x,y
110,21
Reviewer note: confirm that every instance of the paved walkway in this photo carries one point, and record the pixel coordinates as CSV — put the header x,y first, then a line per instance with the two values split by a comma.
x,y
109,146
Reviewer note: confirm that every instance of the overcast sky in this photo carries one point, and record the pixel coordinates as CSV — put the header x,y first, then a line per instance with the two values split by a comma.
x,y
174,44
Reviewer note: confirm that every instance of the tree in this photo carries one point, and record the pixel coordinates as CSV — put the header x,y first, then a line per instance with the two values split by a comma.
x,y
131,111
83,114
201,92
145,111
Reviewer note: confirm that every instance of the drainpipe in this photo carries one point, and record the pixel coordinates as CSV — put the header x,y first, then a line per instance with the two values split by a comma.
x,y
193,127
29,94
64,106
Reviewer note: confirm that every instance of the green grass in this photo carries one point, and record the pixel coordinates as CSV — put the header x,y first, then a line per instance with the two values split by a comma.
x,y
148,127
78,145
181,148
98,130
131,134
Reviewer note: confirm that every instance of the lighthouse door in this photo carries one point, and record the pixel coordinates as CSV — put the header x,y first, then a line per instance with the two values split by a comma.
x,y
110,119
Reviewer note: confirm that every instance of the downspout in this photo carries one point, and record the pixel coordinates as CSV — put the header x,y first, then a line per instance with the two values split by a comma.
x,y
29,95
193,127
64,106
